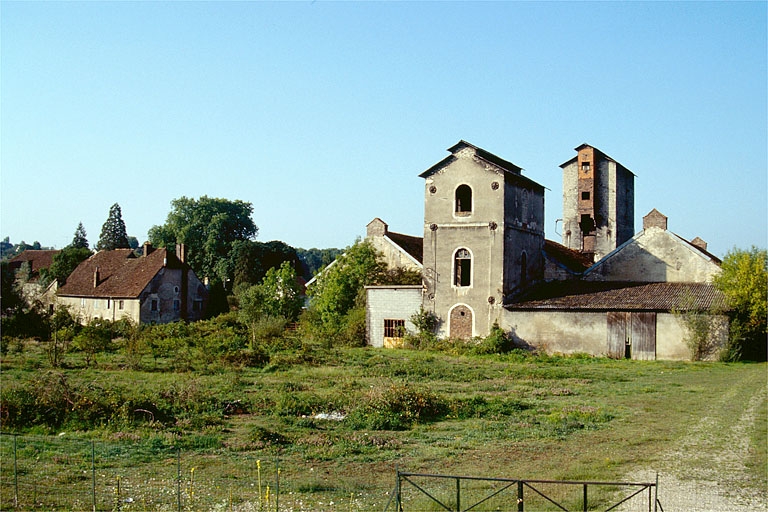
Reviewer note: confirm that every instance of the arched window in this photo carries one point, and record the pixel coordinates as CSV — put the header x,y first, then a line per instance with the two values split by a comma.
x,y
463,200
462,268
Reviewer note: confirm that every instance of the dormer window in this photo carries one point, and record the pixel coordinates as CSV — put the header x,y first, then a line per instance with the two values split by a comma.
x,y
463,200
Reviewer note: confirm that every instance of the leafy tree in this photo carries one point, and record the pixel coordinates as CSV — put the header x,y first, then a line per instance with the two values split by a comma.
x,y
133,242
339,289
6,248
249,261
63,263
209,227
281,293
744,282
113,234
312,260
80,241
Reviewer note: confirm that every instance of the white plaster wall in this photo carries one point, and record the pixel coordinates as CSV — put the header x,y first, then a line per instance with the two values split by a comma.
x,y
87,309
394,257
559,331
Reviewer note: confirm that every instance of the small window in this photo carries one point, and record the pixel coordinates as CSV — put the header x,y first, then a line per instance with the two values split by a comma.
x,y
197,305
175,289
463,200
462,268
121,305
585,166
176,305
153,305
109,303
394,328
585,196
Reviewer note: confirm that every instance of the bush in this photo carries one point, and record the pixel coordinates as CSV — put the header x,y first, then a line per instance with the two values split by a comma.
x,y
497,342
397,408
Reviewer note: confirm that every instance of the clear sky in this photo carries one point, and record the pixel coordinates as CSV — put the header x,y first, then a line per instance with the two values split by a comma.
x,y
322,115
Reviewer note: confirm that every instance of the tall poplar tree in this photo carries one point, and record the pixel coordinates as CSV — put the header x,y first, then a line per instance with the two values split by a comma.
x,y
113,233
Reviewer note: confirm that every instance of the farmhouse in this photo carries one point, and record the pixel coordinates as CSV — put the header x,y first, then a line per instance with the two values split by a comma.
x,y
27,267
157,287
485,260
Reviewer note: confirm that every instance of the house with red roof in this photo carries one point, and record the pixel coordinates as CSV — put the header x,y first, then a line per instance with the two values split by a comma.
x,y
27,267
156,287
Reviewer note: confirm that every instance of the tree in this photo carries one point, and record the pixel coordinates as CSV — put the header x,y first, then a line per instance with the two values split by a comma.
x,y
64,263
744,282
281,293
337,297
312,260
80,241
113,234
209,227
249,261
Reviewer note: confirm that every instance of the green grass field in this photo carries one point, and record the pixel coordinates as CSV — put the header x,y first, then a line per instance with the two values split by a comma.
x,y
155,439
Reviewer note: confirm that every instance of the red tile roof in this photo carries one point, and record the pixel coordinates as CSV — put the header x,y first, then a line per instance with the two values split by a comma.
x,y
122,274
611,296
571,259
37,259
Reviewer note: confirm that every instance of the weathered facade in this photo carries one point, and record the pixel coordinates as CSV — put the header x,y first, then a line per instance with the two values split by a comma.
x,y
483,238
27,267
157,287
485,260
398,250
598,202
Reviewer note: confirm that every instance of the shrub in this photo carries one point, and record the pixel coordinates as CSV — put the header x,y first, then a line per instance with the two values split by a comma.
x,y
397,408
497,342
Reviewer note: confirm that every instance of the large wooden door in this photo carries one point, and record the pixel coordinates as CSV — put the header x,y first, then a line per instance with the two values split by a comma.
x,y
631,335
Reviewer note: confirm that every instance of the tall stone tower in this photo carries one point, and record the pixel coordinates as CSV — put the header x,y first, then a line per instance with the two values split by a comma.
x,y
483,238
598,202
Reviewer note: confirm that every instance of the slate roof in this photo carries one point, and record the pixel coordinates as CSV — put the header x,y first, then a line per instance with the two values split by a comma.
x,y
37,259
122,274
620,296
413,245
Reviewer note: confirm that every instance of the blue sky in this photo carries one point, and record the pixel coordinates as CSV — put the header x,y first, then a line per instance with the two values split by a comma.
x,y
322,115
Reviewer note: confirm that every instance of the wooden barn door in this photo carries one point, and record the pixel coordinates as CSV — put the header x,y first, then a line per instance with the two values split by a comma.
x,y
643,340
631,335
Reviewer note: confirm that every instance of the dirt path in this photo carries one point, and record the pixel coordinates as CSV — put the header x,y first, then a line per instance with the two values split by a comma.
x,y
705,471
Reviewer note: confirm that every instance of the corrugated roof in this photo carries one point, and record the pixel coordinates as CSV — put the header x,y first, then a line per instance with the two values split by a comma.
x,y
621,296
121,273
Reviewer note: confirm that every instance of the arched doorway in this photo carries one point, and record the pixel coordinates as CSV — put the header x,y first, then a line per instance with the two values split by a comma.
x,y
461,322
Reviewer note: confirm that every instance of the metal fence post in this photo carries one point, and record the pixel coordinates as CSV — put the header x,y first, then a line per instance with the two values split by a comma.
x,y
178,478
93,475
520,505
15,476
656,494
397,492
458,494
277,485
585,498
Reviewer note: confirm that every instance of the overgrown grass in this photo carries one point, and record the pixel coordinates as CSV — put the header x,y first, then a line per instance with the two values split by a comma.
x,y
512,415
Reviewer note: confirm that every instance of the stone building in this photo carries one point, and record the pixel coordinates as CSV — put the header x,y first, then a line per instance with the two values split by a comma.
x,y
483,238
598,202
157,287
485,260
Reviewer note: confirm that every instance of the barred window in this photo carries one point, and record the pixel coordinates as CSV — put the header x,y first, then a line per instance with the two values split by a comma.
x,y
394,328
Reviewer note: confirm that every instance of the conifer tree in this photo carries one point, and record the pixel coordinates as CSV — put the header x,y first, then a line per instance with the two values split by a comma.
x,y
113,233
80,241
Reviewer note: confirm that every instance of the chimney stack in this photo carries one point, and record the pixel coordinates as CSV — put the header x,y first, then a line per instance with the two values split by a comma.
x,y
701,244
96,277
147,249
181,252
655,219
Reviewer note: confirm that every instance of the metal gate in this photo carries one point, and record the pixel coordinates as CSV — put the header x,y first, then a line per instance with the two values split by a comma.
x,y
464,493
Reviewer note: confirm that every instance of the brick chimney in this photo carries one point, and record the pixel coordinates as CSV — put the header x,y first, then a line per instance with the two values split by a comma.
x,y
181,252
376,227
701,244
147,249
655,219
96,276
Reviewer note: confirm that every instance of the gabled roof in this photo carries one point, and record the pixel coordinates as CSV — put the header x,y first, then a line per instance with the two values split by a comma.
x,y
411,245
585,145
122,274
37,259
620,296
573,260
490,158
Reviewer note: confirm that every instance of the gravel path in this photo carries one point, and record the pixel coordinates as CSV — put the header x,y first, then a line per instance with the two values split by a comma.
x,y
705,470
